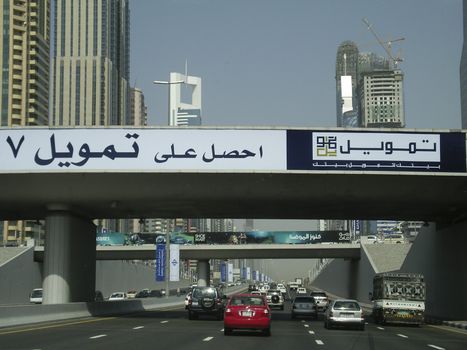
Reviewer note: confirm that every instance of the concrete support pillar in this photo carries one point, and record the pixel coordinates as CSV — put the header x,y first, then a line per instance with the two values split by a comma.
x,y
69,258
354,278
204,273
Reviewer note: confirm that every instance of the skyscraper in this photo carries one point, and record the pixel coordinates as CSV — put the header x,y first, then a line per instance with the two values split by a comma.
x,y
185,113
25,43
91,63
24,73
463,69
346,84
382,99
139,110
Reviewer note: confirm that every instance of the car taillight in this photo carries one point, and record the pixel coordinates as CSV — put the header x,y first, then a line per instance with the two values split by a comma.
x,y
228,311
266,311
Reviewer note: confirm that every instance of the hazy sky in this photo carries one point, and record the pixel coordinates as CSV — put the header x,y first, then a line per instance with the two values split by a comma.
x,y
272,62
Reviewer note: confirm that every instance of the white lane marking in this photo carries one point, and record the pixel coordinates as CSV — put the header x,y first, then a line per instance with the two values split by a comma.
x,y
208,338
306,325
98,336
319,342
138,327
222,329
164,321
436,347
380,328
311,332
303,321
402,336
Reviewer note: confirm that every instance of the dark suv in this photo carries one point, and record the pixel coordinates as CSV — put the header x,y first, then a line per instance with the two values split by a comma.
x,y
206,300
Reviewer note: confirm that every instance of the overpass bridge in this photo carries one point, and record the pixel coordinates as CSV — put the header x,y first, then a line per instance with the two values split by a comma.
x,y
227,251
72,176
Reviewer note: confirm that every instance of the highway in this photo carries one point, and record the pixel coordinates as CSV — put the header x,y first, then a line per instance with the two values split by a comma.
x,y
171,329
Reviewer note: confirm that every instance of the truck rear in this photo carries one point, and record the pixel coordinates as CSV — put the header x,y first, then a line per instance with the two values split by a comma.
x,y
399,298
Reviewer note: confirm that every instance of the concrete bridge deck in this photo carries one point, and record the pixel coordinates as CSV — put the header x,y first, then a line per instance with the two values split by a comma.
x,y
221,251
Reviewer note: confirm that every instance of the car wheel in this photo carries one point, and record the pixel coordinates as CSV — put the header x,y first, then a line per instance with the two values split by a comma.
x,y
326,325
362,327
220,316
267,332
293,316
227,331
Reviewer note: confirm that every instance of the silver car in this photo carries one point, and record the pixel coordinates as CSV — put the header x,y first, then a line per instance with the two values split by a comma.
x,y
344,312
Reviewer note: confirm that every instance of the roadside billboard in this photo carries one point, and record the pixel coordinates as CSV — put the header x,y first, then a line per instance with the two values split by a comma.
x,y
272,237
111,238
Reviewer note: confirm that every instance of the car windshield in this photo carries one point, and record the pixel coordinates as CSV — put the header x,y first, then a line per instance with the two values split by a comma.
x,y
208,292
304,300
36,293
247,300
346,305
318,294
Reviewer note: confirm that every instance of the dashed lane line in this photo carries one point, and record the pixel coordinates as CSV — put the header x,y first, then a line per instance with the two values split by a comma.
x,y
436,347
98,336
319,342
306,325
380,328
208,338
402,335
164,321
311,332
138,327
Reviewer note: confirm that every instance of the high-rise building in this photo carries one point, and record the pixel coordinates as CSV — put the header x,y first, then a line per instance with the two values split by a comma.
x,y
382,99
91,63
463,68
25,43
185,113
139,110
24,93
346,84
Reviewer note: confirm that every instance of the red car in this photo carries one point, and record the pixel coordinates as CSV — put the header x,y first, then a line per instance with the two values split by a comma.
x,y
247,311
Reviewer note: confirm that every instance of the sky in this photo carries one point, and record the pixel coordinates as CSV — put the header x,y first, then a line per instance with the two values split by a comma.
x,y
272,62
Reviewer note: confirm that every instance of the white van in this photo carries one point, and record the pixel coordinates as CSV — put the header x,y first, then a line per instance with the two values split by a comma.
x,y
36,296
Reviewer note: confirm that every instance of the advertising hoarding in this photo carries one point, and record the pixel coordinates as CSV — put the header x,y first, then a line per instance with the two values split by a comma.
x,y
272,237
174,262
228,150
376,151
160,262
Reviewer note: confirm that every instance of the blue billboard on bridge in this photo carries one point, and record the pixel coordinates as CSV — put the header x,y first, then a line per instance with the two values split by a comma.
x,y
402,151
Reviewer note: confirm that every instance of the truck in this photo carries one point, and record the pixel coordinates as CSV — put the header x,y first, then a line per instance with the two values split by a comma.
x,y
398,298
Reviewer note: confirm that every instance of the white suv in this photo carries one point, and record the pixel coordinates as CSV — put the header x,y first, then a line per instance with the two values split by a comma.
x,y
275,299
321,300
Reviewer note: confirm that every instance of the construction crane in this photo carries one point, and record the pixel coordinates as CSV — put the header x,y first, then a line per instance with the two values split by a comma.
x,y
387,45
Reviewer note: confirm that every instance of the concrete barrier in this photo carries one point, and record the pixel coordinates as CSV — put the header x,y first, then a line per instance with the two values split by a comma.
x,y
28,314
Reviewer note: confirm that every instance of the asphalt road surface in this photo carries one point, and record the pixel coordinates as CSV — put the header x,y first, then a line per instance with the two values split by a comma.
x,y
171,330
